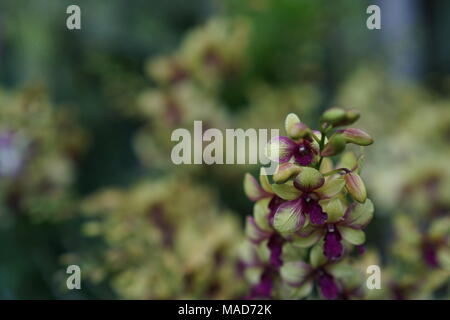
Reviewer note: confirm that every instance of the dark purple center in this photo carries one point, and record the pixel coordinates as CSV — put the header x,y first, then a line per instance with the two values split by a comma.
x,y
264,287
275,246
332,247
429,254
274,203
313,208
304,154
328,287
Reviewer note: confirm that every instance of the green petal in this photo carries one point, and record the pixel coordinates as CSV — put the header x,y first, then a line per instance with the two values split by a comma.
x,y
252,189
354,236
290,121
334,208
253,232
288,218
279,148
440,228
326,166
359,215
285,171
444,258
309,240
295,272
264,180
286,191
261,213
293,253
289,292
317,257
331,187
348,160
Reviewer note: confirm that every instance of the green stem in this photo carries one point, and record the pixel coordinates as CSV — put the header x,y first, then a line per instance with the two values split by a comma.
x,y
323,133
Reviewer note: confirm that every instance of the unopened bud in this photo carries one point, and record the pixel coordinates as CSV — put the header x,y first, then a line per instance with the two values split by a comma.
x,y
356,136
355,186
335,146
351,116
334,116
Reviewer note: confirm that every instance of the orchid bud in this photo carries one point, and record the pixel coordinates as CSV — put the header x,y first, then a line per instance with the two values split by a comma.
x,y
355,186
335,146
356,136
309,179
334,116
351,116
285,172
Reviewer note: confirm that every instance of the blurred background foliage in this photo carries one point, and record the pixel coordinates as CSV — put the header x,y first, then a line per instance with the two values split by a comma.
x,y
104,100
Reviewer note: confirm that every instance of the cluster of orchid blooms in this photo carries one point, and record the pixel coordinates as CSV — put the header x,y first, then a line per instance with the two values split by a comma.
x,y
312,207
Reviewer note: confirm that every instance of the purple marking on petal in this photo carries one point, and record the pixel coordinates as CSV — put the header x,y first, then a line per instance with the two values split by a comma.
x,y
286,149
255,233
275,246
274,203
313,208
264,288
332,247
361,249
328,287
297,208
429,255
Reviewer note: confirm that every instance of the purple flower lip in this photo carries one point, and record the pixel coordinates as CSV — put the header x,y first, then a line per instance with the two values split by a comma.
x,y
429,253
333,247
275,246
274,203
328,287
304,153
311,206
264,288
